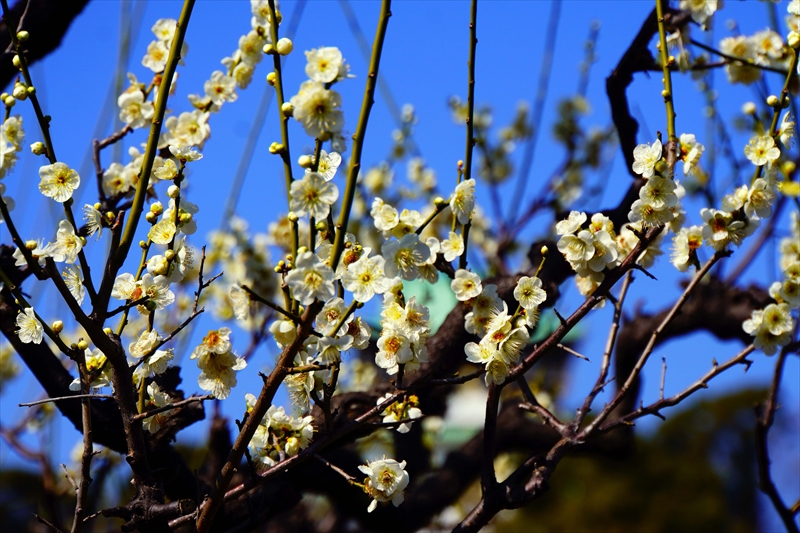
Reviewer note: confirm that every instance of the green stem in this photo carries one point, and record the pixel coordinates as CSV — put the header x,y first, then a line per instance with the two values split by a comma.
x,y
662,40
152,140
473,42
361,129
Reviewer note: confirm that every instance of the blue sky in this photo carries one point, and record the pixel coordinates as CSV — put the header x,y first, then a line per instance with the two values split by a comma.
x,y
424,63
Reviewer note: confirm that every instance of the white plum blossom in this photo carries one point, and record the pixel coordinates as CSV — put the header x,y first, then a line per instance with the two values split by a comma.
x,y
324,64
318,110
134,110
529,292
328,164
74,281
310,279
366,278
29,329
312,195
67,245
462,203
762,150
466,285
58,181
645,157
386,481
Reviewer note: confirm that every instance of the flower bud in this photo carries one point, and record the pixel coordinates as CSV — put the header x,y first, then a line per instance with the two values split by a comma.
x,y
57,327
150,305
292,217
16,61
83,345
321,225
305,161
107,331
83,240
661,165
173,191
749,108
23,36
31,90
544,251
793,39
110,216
170,255
10,101
185,218
157,208
20,91
284,46
772,100
276,148
271,77
292,446
151,217
439,201
143,244
269,48
38,148
287,109
97,206
788,168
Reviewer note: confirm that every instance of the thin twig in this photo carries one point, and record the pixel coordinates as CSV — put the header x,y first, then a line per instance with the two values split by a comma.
x,y
572,352
73,397
176,405
663,377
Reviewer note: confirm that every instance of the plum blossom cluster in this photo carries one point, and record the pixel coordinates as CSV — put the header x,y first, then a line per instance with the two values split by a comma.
x,y
659,199
278,436
404,332
764,48
503,335
772,326
405,411
11,137
316,106
218,363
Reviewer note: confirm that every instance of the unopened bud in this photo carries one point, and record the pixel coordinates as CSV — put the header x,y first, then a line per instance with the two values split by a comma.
x,y
287,109
23,36
277,269
439,201
83,240
544,251
16,61
661,166
276,148
10,101
460,164
31,90
772,100
788,168
301,250
284,46
57,327
292,217
97,206
151,305
143,244
151,217
305,161
20,91
173,191
169,255
321,226
38,148
185,218
793,39
271,77
110,216
269,48
83,345
156,208
107,331
749,108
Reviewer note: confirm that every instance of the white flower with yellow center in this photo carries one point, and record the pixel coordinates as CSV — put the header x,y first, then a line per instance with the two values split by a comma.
x,y
156,57
462,203
649,215
190,128
220,88
156,398
691,150
74,281
12,131
466,285
760,199
57,181
701,10
684,247
28,327
118,180
452,247
323,64
645,157
94,220
762,150
218,374
67,245
529,292
577,249
385,216
250,48
312,196
134,110
310,280
404,257
318,110
328,164
386,482
365,278
571,224
163,232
